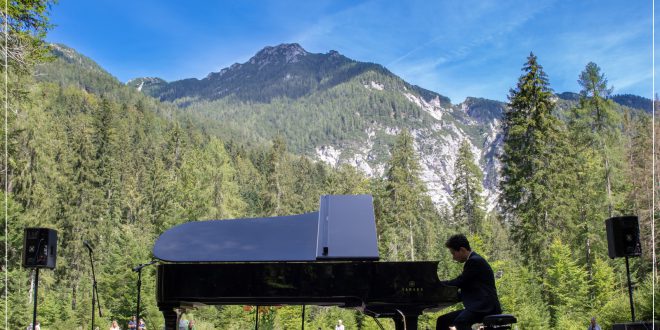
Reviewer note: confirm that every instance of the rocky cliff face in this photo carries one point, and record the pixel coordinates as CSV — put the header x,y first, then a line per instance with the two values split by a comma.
x,y
436,144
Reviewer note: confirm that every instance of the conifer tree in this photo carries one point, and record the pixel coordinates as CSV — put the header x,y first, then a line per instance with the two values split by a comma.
x,y
566,287
174,148
24,39
638,131
603,283
278,178
227,201
307,186
346,180
466,190
601,119
250,184
23,44
107,152
532,137
159,193
597,158
519,292
406,202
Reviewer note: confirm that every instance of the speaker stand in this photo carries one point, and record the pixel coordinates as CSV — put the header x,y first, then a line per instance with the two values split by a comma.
x,y
36,288
630,291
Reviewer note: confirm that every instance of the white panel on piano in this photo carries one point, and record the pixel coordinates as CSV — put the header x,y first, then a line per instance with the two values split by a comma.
x,y
347,228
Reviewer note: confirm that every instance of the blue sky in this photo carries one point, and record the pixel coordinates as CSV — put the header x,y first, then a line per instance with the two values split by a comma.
x,y
456,48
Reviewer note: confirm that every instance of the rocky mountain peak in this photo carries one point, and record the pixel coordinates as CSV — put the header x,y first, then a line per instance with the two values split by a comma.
x,y
71,56
146,83
283,53
64,52
147,80
483,110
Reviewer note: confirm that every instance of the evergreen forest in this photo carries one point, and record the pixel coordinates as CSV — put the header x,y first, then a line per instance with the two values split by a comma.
x,y
98,160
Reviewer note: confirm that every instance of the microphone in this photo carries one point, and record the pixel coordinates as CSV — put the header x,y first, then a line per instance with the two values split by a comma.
x,y
86,243
138,267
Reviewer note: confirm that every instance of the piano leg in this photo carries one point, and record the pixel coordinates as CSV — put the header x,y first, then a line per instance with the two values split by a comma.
x,y
171,318
406,322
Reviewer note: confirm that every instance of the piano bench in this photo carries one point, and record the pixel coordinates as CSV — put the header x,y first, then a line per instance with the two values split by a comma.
x,y
499,321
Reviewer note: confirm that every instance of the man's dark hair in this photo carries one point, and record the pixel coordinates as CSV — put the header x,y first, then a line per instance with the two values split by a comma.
x,y
457,241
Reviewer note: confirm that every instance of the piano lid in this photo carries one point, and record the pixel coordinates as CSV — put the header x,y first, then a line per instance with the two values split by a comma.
x,y
343,229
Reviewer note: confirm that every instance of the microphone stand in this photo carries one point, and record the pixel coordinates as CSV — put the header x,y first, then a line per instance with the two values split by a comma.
x,y
94,288
138,269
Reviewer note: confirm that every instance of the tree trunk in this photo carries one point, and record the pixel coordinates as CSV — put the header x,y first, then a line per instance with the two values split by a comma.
x,y
589,266
412,241
608,185
396,247
74,298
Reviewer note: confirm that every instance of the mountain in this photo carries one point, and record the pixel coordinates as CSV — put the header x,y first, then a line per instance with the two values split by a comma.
x,y
569,96
286,70
634,101
626,100
337,110
68,67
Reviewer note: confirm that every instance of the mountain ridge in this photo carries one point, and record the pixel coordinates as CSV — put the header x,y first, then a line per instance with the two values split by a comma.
x,y
338,110
299,71
345,112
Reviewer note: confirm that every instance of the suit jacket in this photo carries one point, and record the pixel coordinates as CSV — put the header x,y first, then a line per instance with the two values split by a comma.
x,y
477,284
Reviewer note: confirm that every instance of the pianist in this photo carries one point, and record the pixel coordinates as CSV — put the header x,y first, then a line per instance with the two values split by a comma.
x,y
477,284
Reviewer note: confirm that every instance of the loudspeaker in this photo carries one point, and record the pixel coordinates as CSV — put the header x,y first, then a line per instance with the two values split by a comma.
x,y
623,237
635,326
39,248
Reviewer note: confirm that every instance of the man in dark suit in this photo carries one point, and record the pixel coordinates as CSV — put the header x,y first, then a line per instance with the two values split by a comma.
x,y
477,284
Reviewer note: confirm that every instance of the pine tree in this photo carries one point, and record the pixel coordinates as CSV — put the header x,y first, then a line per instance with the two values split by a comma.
x,y
598,113
225,197
603,283
279,179
407,217
466,190
346,180
24,40
23,43
566,287
307,187
520,294
251,185
531,141
597,158
107,152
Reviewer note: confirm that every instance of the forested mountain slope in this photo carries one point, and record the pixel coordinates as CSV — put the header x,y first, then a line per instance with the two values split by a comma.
x,y
339,110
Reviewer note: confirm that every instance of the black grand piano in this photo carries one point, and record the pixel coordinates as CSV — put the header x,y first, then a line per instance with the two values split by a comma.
x,y
329,257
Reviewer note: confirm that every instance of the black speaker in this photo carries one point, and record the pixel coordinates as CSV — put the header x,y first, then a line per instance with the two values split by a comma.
x,y
39,248
635,326
623,237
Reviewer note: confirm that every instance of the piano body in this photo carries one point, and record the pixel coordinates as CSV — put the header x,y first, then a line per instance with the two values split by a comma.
x,y
328,258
